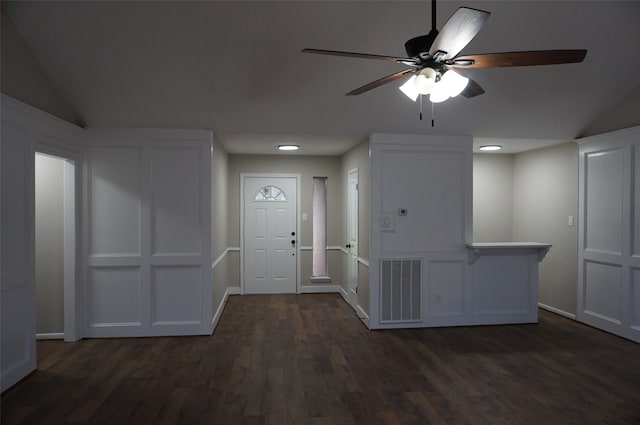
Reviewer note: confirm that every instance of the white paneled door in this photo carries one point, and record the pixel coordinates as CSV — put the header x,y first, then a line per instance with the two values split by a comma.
x,y
270,235
609,236
352,231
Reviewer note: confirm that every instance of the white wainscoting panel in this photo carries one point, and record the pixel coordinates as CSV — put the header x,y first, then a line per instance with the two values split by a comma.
x,y
176,295
114,296
447,289
415,180
149,230
176,213
115,200
635,298
501,294
604,193
603,291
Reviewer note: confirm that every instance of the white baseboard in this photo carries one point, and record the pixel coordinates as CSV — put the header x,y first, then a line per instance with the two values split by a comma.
x,y
362,316
557,311
232,290
323,289
56,335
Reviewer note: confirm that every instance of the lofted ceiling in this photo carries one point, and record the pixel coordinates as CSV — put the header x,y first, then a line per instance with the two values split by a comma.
x,y
236,68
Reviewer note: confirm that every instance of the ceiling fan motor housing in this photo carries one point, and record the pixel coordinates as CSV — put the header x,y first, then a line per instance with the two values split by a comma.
x,y
418,47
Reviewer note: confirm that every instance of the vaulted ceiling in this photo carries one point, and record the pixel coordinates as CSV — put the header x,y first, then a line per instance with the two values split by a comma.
x,y
236,67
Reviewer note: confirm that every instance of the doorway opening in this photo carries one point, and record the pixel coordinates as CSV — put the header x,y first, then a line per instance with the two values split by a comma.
x,y
55,247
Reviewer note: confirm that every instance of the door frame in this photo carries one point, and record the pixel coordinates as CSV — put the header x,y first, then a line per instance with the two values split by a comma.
x,y
71,235
244,176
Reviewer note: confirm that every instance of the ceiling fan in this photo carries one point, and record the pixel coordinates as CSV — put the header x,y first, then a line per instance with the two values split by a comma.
x,y
436,67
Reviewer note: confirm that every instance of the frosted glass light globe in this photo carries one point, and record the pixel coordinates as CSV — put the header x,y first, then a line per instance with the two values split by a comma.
x,y
425,81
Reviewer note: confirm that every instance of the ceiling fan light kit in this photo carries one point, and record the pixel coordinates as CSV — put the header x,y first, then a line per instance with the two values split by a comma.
x,y
435,65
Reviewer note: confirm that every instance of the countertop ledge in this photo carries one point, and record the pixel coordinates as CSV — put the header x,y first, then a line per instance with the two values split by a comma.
x,y
516,245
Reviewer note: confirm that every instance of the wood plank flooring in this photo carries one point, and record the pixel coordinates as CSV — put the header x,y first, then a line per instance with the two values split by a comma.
x,y
307,359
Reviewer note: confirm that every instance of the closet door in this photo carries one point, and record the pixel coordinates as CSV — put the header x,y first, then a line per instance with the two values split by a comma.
x,y
609,236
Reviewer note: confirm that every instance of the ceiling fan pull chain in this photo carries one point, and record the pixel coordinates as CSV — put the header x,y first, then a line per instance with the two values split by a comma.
x,y
432,115
420,107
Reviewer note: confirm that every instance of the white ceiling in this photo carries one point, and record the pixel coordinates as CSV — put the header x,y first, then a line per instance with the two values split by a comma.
x,y
236,68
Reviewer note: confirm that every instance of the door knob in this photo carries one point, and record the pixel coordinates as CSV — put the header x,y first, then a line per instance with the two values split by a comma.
x,y
293,242
348,245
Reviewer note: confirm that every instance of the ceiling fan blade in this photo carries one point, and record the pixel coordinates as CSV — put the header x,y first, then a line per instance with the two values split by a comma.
x,y
526,58
473,89
359,55
459,30
381,81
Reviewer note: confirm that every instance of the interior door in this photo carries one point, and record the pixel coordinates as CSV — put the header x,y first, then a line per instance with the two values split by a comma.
x,y
270,235
352,230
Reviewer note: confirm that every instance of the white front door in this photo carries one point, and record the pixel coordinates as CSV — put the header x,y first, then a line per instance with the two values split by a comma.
x,y
270,235
352,231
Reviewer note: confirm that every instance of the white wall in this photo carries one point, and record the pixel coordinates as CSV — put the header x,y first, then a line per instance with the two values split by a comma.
x,y
545,194
492,197
49,264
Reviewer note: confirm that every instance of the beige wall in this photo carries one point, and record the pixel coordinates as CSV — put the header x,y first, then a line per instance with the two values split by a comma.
x,y
49,267
23,79
492,198
219,222
545,187
308,167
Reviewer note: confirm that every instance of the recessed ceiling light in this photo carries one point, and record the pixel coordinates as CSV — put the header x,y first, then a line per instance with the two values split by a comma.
x,y
288,147
490,148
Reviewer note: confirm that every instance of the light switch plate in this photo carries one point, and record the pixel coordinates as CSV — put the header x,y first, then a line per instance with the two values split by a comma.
x,y
387,222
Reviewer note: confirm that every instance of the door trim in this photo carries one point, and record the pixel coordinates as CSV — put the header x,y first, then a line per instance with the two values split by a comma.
x,y
244,176
71,232
353,299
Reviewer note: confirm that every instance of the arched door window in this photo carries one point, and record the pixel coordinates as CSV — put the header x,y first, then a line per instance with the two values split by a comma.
x,y
270,193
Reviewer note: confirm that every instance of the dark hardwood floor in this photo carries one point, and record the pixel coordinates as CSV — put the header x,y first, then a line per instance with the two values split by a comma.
x,y
307,359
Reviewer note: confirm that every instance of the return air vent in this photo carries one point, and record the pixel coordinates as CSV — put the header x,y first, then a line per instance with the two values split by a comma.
x,y
400,296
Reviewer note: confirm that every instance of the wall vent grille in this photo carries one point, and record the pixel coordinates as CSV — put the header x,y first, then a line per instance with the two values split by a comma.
x,y
400,290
